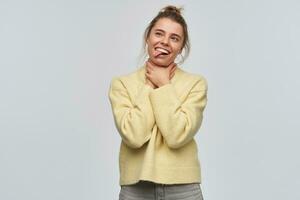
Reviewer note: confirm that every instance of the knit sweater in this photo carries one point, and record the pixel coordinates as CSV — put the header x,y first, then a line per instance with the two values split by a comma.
x,y
157,126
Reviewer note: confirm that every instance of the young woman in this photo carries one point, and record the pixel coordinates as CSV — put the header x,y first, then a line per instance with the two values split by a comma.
x,y
157,111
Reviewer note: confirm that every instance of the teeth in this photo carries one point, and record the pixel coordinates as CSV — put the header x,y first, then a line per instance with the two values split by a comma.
x,y
162,50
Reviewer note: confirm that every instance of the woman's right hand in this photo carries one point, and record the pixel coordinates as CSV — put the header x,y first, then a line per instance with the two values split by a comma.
x,y
154,86
150,83
172,73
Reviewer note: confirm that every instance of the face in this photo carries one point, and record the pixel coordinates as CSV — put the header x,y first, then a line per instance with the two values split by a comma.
x,y
165,41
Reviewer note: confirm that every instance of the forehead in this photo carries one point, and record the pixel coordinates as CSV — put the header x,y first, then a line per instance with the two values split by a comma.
x,y
169,26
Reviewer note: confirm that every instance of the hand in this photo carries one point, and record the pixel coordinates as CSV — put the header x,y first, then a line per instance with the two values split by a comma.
x,y
159,76
150,83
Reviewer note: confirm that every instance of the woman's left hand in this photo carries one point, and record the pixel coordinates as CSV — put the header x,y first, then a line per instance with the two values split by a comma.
x,y
159,75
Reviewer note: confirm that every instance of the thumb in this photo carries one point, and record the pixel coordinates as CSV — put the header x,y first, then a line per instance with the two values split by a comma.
x,y
171,65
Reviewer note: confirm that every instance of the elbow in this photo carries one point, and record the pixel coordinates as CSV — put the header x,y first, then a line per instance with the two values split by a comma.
x,y
179,139
173,145
176,144
180,133
174,141
135,139
132,134
133,144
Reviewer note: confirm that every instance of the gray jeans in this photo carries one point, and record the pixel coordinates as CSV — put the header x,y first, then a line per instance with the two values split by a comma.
x,y
146,190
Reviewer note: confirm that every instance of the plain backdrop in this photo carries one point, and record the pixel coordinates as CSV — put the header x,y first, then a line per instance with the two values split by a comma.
x,y
57,58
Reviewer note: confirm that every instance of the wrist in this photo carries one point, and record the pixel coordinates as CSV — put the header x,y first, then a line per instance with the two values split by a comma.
x,y
164,83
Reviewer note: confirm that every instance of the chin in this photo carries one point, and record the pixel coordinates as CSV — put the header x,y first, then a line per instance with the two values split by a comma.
x,y
160,62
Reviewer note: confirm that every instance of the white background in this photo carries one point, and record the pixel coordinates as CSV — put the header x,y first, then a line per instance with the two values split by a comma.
x,y
57,136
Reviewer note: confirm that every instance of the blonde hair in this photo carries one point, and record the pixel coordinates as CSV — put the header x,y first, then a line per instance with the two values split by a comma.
x,y
173,13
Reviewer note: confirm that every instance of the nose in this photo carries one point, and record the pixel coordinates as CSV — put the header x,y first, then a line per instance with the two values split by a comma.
x,y
164,41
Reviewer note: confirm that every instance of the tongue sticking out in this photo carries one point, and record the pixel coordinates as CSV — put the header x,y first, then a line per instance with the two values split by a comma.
x,y
158,53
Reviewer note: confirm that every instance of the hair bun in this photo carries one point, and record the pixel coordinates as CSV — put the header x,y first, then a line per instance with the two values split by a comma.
x,y
172,9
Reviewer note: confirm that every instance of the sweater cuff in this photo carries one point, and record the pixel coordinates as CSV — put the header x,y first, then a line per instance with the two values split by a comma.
x,y
164,97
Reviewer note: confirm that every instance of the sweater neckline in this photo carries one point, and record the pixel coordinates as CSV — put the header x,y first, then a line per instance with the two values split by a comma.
x,y
142,71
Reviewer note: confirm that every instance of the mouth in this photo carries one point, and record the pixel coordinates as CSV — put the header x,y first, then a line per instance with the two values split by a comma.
x,y
161,52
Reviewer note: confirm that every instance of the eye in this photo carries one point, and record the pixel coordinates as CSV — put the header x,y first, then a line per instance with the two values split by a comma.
x,y
175,39
157,33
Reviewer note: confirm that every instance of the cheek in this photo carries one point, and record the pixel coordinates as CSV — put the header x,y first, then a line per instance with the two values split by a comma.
x,y
179,47
150,46
176,50
153,40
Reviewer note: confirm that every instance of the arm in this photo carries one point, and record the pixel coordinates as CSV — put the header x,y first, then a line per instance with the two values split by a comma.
x,y
179,122
133,118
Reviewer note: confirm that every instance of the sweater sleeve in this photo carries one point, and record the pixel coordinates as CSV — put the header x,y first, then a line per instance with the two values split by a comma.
x,y
179,121
133,118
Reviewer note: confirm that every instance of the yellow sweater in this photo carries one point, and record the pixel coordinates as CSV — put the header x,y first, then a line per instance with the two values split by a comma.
x,y
157,127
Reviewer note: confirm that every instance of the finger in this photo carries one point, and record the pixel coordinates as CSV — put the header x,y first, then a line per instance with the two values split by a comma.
x,y
148,75
171,75
172,65
150,61
175,65
174,68
149,69
149,65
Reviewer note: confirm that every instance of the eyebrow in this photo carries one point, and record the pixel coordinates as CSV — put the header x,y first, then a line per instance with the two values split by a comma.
x,y
157,29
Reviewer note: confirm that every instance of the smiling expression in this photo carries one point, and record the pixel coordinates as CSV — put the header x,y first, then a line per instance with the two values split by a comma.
x,y
165,42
